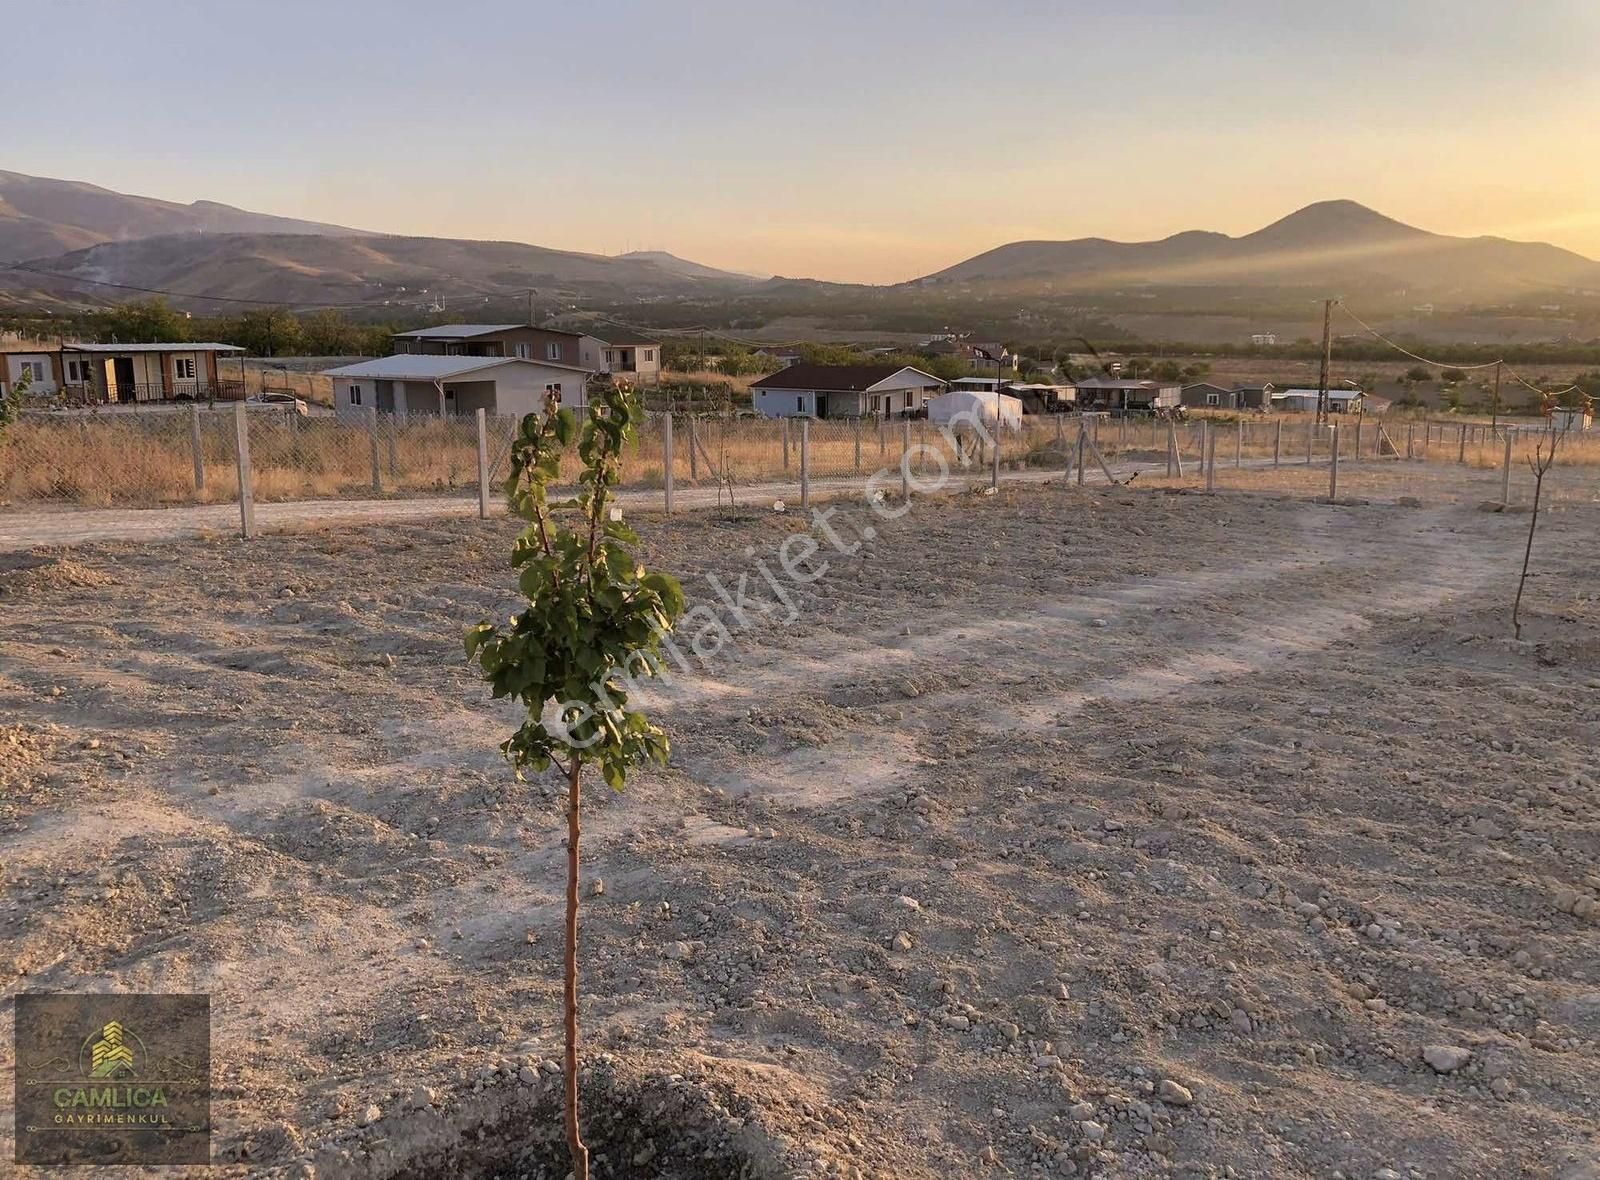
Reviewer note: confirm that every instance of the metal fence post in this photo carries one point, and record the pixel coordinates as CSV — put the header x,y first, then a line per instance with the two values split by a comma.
x,y
905,463
1333,468
1206,443
1505,472
372,446
666,458
483,463
198,450
1210,459
858,443
1277,444
1083,438
805,464
1311,439
1461,449
247,498
1359,419
694,460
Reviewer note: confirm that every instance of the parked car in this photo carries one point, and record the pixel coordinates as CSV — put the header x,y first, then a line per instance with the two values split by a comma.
x,y
287,402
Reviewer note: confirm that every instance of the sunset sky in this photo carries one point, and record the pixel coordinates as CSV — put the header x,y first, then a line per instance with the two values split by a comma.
x,y
858,141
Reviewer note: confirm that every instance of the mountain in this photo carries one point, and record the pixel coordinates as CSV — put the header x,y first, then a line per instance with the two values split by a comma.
x,y
307,269
1332,245
682,266
40,216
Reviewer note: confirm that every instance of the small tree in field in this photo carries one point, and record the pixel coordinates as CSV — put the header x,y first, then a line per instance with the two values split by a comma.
x,y
11,403
594,620
1540,462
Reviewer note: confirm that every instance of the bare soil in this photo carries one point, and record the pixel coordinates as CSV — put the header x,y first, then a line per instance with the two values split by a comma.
x,y
1063,832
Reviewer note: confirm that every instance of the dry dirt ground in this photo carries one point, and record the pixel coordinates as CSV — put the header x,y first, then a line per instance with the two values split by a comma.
x,y
1062,832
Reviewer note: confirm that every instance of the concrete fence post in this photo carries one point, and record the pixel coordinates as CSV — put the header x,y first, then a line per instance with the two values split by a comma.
x,y
1209,458
783,429
1238,445
1461,449
805,464
1333,468
994,469
247,497
1174,463
483,463
694,446
1083,439
1205,443
197,449
1311,439
1505,472
905,462
858,444
372,447
1411,440
1277,443
666,460
1359,418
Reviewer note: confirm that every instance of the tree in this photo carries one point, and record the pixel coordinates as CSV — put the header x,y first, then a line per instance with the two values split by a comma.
x,y
594,621
11,403
1453,376
266,331
1417,374
143,321
1540,462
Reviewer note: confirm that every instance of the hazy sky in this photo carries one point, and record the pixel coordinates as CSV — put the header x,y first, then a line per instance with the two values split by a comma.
x,y
862,140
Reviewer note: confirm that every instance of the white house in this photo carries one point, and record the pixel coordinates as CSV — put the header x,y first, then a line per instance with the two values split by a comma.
x,y
843,391
404,385
1340,401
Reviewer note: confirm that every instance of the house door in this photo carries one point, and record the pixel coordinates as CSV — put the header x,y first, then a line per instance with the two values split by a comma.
x,y
122,380
822,405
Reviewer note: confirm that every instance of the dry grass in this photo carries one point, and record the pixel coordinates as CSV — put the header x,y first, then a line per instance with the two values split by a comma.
x,y
147,460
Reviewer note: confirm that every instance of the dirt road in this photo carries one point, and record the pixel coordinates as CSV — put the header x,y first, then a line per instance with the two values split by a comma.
x,y
1092,832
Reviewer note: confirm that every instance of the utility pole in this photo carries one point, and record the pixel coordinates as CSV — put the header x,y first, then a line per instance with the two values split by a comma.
x,y
1494,406
1327,360
531,321
702,350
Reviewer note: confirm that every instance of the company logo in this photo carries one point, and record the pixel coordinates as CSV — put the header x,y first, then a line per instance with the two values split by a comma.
x,y
134,1088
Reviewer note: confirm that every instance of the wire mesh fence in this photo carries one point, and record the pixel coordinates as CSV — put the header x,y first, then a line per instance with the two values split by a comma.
x,y
189,456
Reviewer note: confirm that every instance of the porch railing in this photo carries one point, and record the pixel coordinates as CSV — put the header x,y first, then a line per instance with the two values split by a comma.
x,y
125,392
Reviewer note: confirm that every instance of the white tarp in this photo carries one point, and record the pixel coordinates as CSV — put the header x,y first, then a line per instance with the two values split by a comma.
x,y
975,405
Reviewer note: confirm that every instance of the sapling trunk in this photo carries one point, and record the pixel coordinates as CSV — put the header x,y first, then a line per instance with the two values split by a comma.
x,y
1527,552
580,1153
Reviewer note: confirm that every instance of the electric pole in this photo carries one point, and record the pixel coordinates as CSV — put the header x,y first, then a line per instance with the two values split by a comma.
x,y
1327,359
531,322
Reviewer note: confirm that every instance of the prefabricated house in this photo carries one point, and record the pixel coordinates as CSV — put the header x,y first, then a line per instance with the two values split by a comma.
x,y
523,341
1340,401
446,385
632,358
105,374
844,391
1126,396
1040,398
1563,420
1206,395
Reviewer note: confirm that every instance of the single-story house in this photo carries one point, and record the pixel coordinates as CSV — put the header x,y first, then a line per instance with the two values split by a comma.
x,y
632,357
783,354
1039,398
983,406
447,385
98,374
1208,395
524,341
1340,401
1564,419
1124,395
843,391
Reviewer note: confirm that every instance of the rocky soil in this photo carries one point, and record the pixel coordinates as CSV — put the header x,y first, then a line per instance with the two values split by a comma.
x,y
1056,833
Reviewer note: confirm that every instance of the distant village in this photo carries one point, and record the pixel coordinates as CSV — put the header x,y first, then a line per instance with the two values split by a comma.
x,y
510,369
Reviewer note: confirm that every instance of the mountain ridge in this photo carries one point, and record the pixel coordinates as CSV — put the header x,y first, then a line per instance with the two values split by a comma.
x,y
1325,243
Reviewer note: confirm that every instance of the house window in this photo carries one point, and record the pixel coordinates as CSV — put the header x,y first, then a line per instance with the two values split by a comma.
x,y
553,388
552,351
33,370
355,395
649,354
183,368
908,399
1213,399
78,372
799,405
524,352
